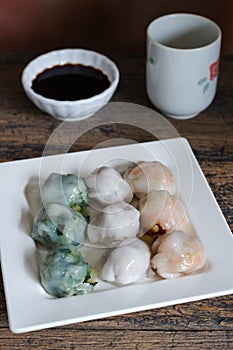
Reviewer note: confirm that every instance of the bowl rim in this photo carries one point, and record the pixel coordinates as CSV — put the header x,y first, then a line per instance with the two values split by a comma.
x,y
27,82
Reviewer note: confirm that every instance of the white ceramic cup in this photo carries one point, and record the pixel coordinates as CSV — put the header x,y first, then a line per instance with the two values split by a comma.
x,y
182,64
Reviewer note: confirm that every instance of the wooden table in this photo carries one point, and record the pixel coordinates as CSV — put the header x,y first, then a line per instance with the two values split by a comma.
x,y
24,131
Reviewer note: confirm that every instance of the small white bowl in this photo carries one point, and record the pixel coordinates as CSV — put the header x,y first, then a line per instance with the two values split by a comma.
x,y
70,110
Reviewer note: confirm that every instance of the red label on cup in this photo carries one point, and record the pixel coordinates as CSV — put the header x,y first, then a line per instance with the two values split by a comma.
x,y
214,69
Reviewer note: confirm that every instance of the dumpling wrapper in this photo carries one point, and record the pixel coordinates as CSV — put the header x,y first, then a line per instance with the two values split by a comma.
x,y
107,187
64,189
58,224
164,210
128,263
148,176
113,224
176,254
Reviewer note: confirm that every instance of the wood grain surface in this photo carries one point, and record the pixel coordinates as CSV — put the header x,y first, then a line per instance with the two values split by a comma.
x,y
24,131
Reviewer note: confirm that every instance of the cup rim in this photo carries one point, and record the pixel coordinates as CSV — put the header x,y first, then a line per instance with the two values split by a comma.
x,y
184,14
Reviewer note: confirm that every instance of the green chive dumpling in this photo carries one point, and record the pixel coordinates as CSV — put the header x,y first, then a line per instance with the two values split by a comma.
x,y
58,224
65,273
68,190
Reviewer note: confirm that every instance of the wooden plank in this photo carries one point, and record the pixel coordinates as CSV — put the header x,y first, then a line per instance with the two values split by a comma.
x,y
24,131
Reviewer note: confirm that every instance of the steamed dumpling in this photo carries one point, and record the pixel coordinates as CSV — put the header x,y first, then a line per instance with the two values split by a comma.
x,y
68,190
177,253
149,176
106,186
58,224
65,273
162,211
113,224
128,263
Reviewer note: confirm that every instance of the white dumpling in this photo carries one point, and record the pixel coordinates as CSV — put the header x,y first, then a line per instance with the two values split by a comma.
x,y
113,224
106,186
161,210
177,253
149,176
128,263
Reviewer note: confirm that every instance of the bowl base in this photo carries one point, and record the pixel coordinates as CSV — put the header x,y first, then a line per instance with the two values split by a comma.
x,y
180,116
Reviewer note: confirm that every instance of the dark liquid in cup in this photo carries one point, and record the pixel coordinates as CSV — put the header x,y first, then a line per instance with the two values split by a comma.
x,y
70,82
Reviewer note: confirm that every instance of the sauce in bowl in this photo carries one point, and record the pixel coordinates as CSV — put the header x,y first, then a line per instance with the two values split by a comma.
x,y
70,82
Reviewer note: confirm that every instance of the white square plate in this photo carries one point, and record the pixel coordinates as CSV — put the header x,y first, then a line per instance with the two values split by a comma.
x,y
31,308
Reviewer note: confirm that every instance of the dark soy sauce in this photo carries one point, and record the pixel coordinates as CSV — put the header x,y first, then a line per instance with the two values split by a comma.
x,y
70,82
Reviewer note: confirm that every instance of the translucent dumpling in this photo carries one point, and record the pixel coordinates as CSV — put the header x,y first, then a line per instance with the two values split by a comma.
x,y
113,224
150,176
162,211
177,253
68,190
58,224
128,263
106,186
65,273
